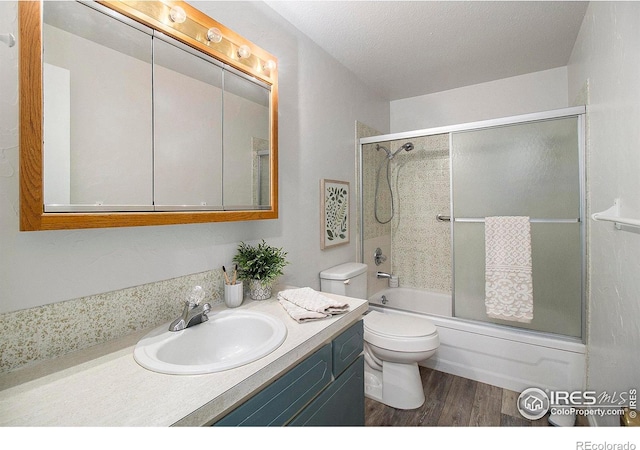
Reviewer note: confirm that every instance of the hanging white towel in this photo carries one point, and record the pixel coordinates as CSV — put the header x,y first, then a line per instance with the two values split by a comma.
x,y
307,299
508,275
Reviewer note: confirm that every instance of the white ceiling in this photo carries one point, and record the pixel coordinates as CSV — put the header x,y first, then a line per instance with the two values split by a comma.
x,y
408,48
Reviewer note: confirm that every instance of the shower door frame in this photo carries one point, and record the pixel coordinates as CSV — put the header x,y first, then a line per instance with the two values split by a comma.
x,y
578,112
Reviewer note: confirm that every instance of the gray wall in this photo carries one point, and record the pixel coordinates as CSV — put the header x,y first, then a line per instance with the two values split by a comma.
x,y
604,70
532,92
319,103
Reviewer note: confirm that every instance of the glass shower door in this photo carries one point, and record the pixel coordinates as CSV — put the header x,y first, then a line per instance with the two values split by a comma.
x,y
528,169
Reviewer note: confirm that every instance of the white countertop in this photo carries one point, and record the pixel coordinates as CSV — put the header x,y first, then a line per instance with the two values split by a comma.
x,y
104,386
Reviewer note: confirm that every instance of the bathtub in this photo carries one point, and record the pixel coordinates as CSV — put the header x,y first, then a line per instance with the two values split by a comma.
x,y
497,355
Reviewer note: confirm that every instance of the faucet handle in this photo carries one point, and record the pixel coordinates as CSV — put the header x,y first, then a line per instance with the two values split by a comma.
x,y
378,257
196,296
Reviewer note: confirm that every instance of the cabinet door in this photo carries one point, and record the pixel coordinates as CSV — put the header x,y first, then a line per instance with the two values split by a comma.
x,y
278,402
187,100
347,347
341,404
246,135
97,121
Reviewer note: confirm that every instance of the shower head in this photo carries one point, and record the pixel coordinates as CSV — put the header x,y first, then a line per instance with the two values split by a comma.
x,y
407,147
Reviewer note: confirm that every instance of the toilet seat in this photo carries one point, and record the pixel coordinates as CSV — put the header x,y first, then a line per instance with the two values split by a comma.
x,y
400,333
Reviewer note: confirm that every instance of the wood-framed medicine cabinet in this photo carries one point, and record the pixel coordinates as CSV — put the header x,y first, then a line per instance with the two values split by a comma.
x,y
180,124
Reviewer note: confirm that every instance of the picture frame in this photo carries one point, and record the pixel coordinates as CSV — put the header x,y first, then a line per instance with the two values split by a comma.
x,y
335,218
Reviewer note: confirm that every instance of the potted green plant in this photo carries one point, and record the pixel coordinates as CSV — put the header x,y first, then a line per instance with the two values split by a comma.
x,y
261,265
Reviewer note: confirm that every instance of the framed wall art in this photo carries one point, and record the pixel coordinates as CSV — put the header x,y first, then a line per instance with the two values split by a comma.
x,y
334,213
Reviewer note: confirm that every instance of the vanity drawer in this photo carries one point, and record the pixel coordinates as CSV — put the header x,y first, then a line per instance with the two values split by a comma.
x,y
280,401
347,347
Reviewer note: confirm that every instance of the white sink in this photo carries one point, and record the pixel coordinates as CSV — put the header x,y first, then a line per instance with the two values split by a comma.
x,y
228,339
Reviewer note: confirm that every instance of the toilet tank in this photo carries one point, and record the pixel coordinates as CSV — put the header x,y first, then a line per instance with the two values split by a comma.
x,y
348,279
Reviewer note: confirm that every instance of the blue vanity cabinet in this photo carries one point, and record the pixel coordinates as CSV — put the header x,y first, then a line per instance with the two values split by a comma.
x,y
327,388
281,400
341,404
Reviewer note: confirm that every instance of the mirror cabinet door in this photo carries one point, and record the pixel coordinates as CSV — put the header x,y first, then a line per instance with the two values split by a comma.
x,y
97,78
187,98
124,111
246,128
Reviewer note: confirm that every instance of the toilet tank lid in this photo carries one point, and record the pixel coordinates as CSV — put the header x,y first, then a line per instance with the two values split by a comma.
x,y
343,271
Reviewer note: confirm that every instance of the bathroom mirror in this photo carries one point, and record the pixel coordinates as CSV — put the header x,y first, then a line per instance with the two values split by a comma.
x,y
188,146
142,113
246,142
98,130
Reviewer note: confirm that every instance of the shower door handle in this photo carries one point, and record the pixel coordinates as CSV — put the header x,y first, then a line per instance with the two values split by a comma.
x,y
443,218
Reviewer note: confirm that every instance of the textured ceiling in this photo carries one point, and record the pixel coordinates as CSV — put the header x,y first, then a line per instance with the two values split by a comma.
x,y
407,48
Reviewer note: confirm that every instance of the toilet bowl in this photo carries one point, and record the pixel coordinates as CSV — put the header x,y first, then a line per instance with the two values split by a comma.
x,y
394,343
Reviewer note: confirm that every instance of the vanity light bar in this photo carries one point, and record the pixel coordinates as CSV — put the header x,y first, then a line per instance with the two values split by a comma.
x,y
202,32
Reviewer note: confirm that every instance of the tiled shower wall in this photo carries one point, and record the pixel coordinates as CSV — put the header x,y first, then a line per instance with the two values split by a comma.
x,y
50,331
420,245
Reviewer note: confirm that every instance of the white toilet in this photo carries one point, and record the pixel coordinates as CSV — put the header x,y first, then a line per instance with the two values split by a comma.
x,y
393,343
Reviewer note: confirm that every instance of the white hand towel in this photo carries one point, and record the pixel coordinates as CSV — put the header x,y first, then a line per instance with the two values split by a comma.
x,y
300,314
508,274
311,300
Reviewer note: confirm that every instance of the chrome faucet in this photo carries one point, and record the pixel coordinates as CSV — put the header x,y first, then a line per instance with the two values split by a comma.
x,y
191,315
383,275
193,312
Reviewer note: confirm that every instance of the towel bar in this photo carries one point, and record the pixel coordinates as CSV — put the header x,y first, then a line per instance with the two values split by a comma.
x,y
613,215
442,218
481,220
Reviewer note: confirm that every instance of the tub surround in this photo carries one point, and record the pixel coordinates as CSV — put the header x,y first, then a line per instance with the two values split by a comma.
x,y
418,247
104,386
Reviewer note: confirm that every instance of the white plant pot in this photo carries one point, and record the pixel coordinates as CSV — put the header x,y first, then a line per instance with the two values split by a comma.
x,y
259,290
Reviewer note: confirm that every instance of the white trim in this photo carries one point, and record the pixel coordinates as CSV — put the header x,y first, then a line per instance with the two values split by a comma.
x,y
531,117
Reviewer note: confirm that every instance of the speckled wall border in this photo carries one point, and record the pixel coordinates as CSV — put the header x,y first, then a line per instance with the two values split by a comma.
x,y
53,330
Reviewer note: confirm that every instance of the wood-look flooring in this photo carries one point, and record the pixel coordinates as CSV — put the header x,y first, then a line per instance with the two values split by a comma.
x,y
454,401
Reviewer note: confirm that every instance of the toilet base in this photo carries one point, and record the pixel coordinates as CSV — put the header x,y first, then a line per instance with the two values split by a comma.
x,y
396,385
372,384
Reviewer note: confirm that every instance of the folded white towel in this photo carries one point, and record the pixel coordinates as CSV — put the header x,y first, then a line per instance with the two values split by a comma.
x,y
508,274
300,314
311,301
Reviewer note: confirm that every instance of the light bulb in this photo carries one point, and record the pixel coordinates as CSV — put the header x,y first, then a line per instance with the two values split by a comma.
x,y
214,35
244,51
177,14
269,65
